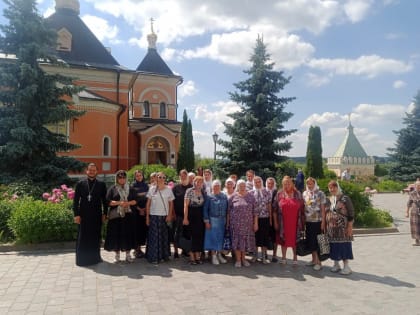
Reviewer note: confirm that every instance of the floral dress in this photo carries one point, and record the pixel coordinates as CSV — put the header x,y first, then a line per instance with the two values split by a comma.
x,y
414,205
241,210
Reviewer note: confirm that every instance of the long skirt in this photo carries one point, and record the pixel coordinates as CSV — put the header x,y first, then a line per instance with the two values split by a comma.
x,y
196,226
312,231
262,236
341,251
213,238
415,225
140,229
177,230
157,248
120,235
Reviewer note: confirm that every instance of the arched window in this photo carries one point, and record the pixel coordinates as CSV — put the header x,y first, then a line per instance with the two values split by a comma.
x,y
146,109
106,146
162,110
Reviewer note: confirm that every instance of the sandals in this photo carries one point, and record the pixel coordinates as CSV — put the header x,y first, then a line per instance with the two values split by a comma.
x,y
192,262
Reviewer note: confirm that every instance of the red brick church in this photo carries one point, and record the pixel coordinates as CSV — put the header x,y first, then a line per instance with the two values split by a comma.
x,y
131,115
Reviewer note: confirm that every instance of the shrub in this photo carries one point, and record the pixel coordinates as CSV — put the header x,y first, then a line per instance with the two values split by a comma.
x,y
389,186
6,209
361,201
374,218
171,174
25,188
35,221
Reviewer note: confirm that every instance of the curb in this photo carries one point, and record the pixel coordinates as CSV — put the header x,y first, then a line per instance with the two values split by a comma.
x,y
367,231
46,247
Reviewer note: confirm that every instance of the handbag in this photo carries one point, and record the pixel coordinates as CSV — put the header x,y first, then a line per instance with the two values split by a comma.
x,y
301,247
324,244
227,240
113,214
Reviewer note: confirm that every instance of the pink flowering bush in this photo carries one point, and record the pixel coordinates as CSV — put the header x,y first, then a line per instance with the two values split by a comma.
x,y
59,194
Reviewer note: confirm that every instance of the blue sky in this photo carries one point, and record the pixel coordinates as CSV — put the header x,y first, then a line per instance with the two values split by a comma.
x,y
356,56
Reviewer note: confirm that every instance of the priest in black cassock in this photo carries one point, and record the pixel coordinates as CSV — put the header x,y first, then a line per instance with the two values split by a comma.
x,y
89,207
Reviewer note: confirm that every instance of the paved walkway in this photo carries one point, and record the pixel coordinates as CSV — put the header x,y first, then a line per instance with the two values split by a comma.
x,y
385,280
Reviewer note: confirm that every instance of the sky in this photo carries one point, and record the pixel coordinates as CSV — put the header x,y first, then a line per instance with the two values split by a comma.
x,y
358,57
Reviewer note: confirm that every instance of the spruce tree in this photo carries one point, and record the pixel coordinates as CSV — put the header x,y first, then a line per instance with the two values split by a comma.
x,y
258,126
31,100
406,153
314,153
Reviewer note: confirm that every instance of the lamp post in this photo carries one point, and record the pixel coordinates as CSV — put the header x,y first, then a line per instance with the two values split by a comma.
x,y
215,137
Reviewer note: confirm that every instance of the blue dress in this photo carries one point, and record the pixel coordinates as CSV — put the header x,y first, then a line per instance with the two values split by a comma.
x,y
214,212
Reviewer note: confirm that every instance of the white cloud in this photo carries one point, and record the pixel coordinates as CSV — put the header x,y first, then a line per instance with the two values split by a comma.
x,y
394,36
369,66
377,114
187,89
101,28
321,119
316,80
216,112
235,48
356,10
398,84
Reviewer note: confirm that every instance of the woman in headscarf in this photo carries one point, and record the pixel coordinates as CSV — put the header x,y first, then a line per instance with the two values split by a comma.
x,y
159,213
141,188
214,215
413,211
339,223
243,223
229,189
193,218
315,219
289,221
120,235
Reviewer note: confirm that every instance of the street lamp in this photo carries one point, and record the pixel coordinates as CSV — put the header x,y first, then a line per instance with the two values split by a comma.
x,y
215,137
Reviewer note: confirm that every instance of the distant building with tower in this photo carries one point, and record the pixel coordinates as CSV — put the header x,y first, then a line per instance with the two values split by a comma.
x,y
350,159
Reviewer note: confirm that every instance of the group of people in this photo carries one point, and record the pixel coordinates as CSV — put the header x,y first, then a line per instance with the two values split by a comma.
x,y
200,210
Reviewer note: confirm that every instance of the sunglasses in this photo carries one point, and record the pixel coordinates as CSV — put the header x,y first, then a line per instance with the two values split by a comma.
x,y
161,177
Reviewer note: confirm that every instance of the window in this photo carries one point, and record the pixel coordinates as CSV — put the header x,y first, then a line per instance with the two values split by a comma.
x,y
106,146
64,40
162,110
146,109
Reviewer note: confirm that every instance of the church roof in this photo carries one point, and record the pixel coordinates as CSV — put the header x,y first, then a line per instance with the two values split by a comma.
x,y
86,49
153,63
350,146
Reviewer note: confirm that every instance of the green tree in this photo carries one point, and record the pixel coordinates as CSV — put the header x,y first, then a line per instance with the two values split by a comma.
x,y
182,153
259,124
314,167
190,147
186,147
32,100
406,153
